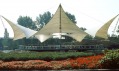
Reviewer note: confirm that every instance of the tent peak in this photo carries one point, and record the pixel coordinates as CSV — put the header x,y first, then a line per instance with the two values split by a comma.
x,y
60,5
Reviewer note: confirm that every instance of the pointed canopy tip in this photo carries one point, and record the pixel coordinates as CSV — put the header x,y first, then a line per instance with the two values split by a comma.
x,y
60,5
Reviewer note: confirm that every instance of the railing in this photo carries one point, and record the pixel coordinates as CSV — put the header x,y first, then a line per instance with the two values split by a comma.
x,y
63,47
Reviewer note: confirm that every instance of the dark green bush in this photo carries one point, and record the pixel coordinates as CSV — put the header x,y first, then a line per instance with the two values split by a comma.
x,y
30,55
111,59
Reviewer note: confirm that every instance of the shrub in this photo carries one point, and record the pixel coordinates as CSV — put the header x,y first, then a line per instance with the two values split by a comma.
x,y
110,60
30,55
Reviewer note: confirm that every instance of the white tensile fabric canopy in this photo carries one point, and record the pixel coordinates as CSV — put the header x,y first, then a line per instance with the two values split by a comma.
x,y
20,31
60,23
28,32
103,31
43,37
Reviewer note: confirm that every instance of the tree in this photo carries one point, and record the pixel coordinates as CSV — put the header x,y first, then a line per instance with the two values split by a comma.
x,y
88,36
117,29
5,42
43,19
71,17
6,34
83,29
26,22
1,45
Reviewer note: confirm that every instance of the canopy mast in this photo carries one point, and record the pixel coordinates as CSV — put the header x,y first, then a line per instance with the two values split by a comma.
x,y
60,20
60,31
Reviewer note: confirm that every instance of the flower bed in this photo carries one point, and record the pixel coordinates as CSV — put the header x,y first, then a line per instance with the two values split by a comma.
x,y
86,62
81,62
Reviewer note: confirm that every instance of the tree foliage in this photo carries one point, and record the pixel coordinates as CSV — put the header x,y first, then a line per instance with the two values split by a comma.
x,y
71,17
26,22
88,36
6,38
43,19
83,29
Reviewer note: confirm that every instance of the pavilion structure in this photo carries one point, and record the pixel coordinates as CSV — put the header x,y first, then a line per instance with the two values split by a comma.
x,y
61,25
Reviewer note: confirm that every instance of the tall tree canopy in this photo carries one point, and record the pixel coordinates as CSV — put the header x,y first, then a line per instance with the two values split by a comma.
x,y
43,19
26,22
71,17
83,29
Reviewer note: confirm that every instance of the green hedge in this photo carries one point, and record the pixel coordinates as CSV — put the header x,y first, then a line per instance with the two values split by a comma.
x,y
111,59
28,55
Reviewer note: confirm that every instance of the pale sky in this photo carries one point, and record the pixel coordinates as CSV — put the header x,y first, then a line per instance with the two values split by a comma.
x,y
91,14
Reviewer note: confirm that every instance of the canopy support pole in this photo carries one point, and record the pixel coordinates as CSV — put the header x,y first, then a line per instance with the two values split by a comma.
x,y
60,27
